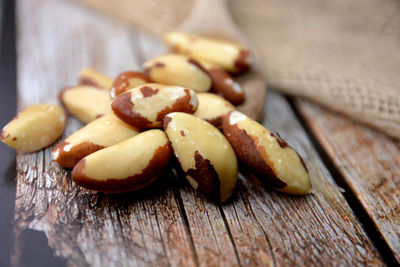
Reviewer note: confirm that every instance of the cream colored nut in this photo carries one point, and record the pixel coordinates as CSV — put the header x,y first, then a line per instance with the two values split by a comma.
x,y
34,128
126,166
230,56
127,80
224,84
86,103
174,69
145,106
89,76
100,133
204,154
212,108
267,154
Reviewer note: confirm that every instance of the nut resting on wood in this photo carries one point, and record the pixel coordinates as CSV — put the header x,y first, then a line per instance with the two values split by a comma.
x,y
34,128
118,151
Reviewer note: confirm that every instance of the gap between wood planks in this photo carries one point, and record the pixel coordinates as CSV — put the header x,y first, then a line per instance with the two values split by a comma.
x,y
366,221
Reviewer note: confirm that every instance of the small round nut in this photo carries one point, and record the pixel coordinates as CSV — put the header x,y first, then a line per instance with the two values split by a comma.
x,y
92,77
126,166
34,128
212,108
270,157
230,56
204,154
98,134
127,80
175,69
86,103
145,106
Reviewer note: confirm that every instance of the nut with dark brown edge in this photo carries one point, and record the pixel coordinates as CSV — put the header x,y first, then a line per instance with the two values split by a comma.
x,y
224,84
127,80
86,103
204,154
100,133
266,154
126,166
212,108
145,106
92,77
227,55
175,69
34,128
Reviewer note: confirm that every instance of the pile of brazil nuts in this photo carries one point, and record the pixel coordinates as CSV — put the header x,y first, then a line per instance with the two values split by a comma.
x,y
138,121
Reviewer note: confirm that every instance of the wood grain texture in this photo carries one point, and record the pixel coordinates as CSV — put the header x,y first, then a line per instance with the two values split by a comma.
x,y
369,162
168,223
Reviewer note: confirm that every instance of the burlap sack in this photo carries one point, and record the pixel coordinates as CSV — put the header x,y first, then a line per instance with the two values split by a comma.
x,y
343,54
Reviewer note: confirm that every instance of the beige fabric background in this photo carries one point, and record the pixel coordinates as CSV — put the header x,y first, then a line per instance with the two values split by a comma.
x,y
343,54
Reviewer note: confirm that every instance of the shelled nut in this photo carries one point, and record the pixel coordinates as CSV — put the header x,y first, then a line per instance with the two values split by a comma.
x,y
127,80
204,154
34,128
145,106
267,154
125,166
98,134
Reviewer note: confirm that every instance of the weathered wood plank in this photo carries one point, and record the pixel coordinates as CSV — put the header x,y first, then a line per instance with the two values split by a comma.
x,y
56,40
369,162
167,223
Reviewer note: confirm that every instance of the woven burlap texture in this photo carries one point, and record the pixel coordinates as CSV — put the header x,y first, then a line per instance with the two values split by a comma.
x,y
343,54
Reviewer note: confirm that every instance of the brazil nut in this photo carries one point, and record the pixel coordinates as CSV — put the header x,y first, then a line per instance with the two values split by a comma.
x,y
206,157
89,76
175,69
230,56
127,80
270,157
212,108
145,106
224,84
98,134
126,166
34,128
86,103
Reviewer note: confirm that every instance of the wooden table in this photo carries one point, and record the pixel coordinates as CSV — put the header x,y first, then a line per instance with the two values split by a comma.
x,y
351,219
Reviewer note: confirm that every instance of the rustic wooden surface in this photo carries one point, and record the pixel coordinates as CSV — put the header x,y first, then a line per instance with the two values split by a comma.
x,y
167,223
369,162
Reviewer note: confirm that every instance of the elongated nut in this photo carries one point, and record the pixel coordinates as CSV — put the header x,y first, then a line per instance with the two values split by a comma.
x,y
127,80
145,106
224,84
86,103
34,128
212,108
174,69
126,166
230,56
100,133
267,154
89,76
204,154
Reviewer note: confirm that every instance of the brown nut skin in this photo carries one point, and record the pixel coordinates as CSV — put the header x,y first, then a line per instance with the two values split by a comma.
x,y
126,166
145,106
84,102
224,84
34,128
230,56
92,77
212,108
271,158
127,80
175,69
203,153
98,134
